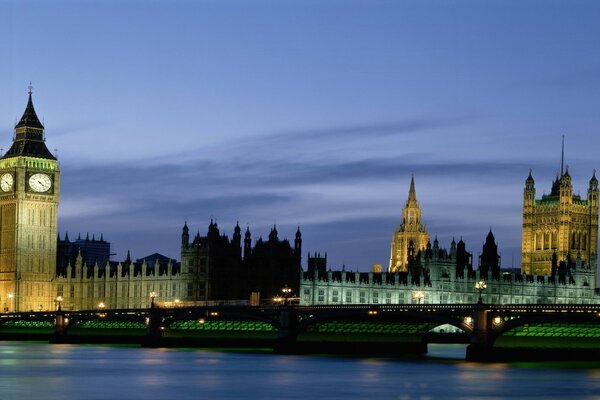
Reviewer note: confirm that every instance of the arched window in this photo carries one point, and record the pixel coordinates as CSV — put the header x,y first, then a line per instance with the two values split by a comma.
x,y
554,245
538,240
547,241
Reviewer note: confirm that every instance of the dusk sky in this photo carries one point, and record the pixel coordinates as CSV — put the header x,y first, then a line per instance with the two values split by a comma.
x,y
309,113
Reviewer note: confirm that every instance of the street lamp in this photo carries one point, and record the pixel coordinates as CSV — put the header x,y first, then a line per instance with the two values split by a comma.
x,y
480,286
152,297
11,296
59,300
287,293
101,305
418,295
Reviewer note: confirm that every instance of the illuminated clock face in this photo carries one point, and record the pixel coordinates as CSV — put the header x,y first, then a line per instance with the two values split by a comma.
x,y
40,182
6,182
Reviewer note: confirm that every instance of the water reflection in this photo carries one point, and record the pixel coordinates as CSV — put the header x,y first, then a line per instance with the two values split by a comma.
x,y
32,371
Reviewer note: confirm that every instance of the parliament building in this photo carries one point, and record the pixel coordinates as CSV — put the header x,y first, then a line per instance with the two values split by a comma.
x,y
559,253
560,234
37,267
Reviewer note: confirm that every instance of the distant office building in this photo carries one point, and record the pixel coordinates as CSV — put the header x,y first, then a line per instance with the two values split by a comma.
x,y
92,251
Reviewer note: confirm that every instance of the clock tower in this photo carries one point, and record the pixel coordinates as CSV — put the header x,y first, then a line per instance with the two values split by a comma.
x,y
29,193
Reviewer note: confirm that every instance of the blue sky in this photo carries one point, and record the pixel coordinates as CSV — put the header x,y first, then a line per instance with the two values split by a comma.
x,y
310,113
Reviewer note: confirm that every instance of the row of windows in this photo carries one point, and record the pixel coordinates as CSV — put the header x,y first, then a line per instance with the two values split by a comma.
x,y
41,217
162,290
549,241
402,298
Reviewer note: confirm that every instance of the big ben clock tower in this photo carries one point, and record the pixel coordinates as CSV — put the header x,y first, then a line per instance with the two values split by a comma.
x,y
29,193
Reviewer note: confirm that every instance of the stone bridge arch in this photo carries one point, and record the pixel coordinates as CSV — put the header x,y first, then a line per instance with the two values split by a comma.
x,y
77,320
509,322
172,317
376,315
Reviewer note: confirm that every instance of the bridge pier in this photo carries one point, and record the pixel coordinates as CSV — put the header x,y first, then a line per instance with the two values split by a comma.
x,y
287,333
480,348
60,328
154,331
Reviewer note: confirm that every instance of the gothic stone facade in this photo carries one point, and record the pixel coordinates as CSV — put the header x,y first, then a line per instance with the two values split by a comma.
x,y
123,284
441,284
411,236
29,194
567,269
559,226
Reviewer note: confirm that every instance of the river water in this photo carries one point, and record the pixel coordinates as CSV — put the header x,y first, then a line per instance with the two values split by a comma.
x,y
44,371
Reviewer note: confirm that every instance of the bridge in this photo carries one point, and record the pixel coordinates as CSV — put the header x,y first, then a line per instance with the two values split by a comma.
x,y
286,327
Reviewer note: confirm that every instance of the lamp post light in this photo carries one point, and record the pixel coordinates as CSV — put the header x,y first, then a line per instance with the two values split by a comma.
x,y
59,300
287,293
101,305
418,295
11,296
480,286
152,297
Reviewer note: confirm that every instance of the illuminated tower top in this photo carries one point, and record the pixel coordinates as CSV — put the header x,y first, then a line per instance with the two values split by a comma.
x,y
410,235
29,138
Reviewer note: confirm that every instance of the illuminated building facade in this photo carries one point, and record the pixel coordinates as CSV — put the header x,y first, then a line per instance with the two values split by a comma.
x,y
559,227
560,234
439,282
410,236
29,194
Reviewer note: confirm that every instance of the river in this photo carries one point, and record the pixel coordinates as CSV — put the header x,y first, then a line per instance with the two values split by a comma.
x,y
31,371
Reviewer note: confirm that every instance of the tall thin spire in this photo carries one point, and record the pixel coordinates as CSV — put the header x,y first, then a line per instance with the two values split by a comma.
x,y
412,194
562,155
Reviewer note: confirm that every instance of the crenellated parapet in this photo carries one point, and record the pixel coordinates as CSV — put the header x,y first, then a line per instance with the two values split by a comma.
x,y
439,283
123,284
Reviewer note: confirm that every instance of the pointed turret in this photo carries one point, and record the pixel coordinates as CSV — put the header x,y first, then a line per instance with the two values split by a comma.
x,y
247,243
529,182
29,136
412,194
236,241
273,235
29,118
298,244
185,235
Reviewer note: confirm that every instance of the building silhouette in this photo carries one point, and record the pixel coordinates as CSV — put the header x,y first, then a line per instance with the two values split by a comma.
x,y
225,270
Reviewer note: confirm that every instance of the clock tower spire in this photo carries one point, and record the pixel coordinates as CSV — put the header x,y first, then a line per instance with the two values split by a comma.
x,y
29,193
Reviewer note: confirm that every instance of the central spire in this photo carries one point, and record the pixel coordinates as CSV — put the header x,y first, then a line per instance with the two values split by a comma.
x,y
412,194
562,155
